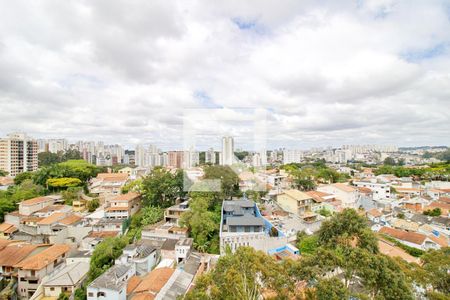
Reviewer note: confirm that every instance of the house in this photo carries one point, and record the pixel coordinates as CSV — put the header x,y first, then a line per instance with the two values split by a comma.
x,y
151,284
412,239
173,213
143,258
164,231
66,280
243,225
295,202
27,207
415,204
380,190
107,184
374,215
411,192
443,206
32,269
111,285
405,225
123,206
349,195
51,209
13,254
183,249
6,230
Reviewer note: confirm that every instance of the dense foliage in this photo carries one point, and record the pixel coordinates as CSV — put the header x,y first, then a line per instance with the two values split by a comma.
x,y
306,176
162,187
49,158
10,198
343,243
439,171
229,180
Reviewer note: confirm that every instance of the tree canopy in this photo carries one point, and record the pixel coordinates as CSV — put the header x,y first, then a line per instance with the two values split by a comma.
x,y
162,188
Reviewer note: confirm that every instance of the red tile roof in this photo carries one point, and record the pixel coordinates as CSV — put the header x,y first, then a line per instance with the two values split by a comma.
x,y
36,200
154,281
412,237
44,258
126,197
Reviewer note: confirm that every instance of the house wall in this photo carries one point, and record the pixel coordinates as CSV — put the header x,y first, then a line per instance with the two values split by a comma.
x,y
92,294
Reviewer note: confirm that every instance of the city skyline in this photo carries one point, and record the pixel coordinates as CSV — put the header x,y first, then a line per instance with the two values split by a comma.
x,y
357,72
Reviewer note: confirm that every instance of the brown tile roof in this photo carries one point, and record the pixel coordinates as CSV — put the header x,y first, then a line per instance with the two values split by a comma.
x,y
69,220
154,281
345,187
365,190
5,226
51,208
374,212
412,237
133,282
55,217
36,200
441,240
4,243
437,204
103,234
317,196
126,197
44,258
143,297
445,199
32,219
112,176
14,254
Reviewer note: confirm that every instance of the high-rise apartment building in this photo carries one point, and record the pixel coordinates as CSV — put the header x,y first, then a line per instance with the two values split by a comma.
x,y
227,151
18,154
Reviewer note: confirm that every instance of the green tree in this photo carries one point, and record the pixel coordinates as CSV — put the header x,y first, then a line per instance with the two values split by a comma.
x,y
243,275
48,158
93,204
104,255
308,244
389,161
22,177
162,188
3,173
71,194
63,296
151,215
229,180
437,265
201,222
345,229
63,183
435,212
331,289
132,186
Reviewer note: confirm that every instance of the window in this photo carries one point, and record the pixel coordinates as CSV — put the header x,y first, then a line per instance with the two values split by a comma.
x,y
91,294
52,289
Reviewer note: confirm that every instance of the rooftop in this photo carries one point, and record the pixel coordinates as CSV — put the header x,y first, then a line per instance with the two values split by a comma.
x,y
69,220
36,200
44,258
154,281
70,275
13,254
412,237
246,220
126,197
297,195
110,279
55,217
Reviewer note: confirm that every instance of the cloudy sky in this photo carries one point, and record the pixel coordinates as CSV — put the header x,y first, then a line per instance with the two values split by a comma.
x,y
129,72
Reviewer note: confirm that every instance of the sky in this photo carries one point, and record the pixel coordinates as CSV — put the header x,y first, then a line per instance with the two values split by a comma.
x,y
323,72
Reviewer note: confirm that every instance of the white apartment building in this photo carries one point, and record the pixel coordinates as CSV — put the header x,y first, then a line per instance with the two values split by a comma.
x,y
348,194
292,156
18,154
379,190
227,151
210,156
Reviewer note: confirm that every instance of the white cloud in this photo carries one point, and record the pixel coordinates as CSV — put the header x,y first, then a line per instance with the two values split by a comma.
x,y
357,72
